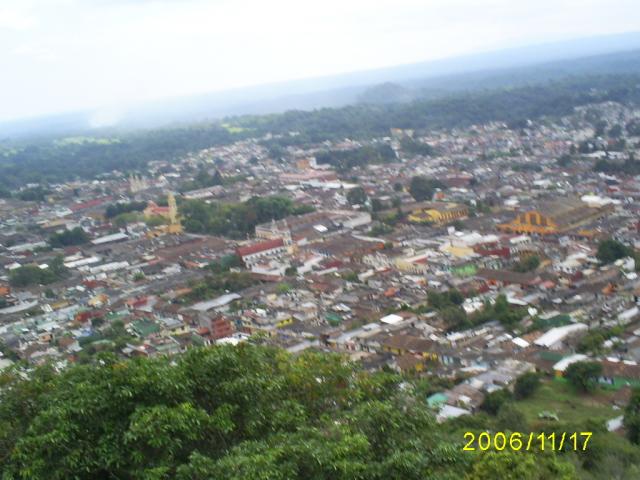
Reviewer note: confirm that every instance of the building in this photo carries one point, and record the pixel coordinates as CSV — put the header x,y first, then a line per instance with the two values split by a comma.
x,y
554,217
169,213
439,213
255,253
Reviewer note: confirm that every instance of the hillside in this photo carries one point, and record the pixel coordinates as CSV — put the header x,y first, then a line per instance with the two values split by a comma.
x,y
55,159
236,413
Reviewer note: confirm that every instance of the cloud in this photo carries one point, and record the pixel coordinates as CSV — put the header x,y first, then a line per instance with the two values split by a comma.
x,y
16,19
75,54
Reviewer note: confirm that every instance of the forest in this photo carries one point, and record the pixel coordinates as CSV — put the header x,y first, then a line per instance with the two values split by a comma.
x,y
248,412
254,412
50,160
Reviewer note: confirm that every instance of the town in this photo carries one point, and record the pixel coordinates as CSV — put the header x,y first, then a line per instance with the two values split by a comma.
x,y
472,255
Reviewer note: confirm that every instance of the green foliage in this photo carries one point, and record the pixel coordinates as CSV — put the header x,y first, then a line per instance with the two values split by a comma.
x,y
583,375
564,160
509,465
616,131
611,250
229,412
33,194
54,161
220,283
109,340
124,219
593,340
77,236
5,192
630,166
152,222
510,418
633,127
204,179
226,263
527,264
380,229
495,400
357,196
237,220
450,298
28,275
377,205
283,288
119,208
448,304
526,385
423,188
632,417
344,160
500,311
413,147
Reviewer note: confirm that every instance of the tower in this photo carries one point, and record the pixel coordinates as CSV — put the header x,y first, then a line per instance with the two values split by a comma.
x,y
173,209
174,220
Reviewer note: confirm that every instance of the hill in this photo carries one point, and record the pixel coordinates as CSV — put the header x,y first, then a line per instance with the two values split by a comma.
x,y
508,67
247,412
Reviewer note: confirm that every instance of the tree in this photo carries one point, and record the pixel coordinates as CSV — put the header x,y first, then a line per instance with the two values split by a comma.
x,y
616,131
245,412
527,264
564,160
632,417
454,317
611,250
526,385
510,418
77,236
600,128
376,205
116,209
356,196
411,146
28,275
423,188
495,400
510,465
583,375
291,271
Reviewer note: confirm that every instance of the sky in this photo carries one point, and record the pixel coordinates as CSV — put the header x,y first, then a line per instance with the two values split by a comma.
x,y
67,55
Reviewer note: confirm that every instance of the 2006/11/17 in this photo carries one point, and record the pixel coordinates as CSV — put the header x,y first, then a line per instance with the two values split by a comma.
x,y
516,441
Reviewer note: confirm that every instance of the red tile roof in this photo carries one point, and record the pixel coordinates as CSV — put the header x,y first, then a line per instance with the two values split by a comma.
x,y
260,247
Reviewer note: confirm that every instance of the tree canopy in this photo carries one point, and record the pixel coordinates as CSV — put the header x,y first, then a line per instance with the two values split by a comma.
x,y
244,412
236,220
76,236
583,375
423,188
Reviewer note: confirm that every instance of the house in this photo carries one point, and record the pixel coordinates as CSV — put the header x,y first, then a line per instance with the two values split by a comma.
x,y
407,344
620,373
253,254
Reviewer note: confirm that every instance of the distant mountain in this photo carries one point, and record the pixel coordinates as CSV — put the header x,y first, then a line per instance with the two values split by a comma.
x,y
511,67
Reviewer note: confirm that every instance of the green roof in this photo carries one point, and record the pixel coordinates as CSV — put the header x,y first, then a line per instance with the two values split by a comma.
x,y
144,328
436,399
333,318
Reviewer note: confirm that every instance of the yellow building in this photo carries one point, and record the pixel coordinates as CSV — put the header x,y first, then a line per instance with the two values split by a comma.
x,y
170,213
554,217
439,213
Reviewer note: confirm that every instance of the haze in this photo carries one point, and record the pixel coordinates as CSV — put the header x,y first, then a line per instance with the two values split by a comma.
x,y
66,55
